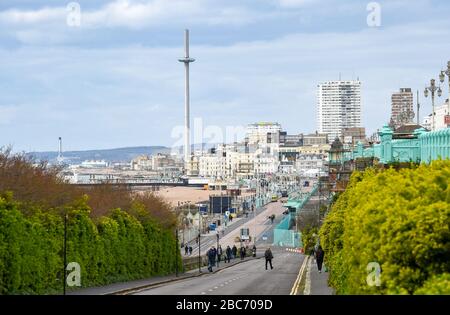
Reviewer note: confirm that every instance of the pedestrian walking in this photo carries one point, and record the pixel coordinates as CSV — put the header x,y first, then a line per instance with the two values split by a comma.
x,y
319,258
211,254
219,253
186,249
268,256
190,250
228,253
254,250
214,256
234,250
242,252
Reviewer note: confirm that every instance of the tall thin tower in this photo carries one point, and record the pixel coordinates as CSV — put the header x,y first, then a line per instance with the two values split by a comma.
x,y
60,156
418,108
186,60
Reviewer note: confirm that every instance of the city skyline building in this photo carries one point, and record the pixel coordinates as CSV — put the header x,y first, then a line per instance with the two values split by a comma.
x,y
338,107
402,111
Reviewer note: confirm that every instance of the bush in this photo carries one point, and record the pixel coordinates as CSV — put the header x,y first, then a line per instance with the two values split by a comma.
x,y
118,248
113,234
398,218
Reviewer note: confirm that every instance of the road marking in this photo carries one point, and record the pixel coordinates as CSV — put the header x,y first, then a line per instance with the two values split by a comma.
x,y
307,290
203,292
210,290
299,277
216,288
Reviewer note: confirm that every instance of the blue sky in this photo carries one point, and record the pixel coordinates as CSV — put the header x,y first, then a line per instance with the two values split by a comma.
x,y
114,81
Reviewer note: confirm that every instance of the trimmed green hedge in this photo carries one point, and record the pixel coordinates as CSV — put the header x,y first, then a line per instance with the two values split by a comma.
x,y
400,219
119,247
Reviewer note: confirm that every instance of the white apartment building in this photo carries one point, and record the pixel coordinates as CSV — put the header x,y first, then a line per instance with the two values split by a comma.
x,y
212,166
264,135
266,163
439,119
310,163
338,107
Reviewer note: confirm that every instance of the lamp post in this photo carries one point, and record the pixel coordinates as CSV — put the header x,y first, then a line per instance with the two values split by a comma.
x,y
199,237
65,254
433,89
442,79
176,253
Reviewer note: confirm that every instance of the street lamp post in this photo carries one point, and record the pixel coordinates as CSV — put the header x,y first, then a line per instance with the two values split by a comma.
x,y
217,249
442,79
65,253
176,258
199,240
433,88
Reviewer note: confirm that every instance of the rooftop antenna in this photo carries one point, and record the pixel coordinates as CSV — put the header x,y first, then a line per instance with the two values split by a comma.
x,y
186,60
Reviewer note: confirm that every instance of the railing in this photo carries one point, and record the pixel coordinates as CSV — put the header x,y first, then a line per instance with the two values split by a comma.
x,y
282,235
424,147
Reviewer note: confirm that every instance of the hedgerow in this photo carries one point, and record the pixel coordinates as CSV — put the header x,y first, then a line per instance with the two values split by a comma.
x,y
397,218
112,233
116,248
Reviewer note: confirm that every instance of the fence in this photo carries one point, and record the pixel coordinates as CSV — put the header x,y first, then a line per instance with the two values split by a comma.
x,y
282,234
426,146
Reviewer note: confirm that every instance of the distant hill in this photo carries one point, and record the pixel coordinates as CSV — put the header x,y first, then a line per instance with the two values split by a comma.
x,y
110,155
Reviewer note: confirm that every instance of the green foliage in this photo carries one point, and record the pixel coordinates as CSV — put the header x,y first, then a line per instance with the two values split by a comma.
x,y
309,238
398,218
115,248
436,285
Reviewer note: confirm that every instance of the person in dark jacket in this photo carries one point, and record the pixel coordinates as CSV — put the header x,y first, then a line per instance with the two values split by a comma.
x,y
228,253
211,254
254,250
242,252
268,256
186,249
215,254
219,253
234,251
190,250
319,258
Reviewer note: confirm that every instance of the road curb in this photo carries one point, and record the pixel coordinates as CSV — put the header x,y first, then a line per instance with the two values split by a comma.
x,y
156,284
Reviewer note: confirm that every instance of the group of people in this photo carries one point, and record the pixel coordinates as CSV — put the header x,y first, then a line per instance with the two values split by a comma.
x,y
188,250
215,255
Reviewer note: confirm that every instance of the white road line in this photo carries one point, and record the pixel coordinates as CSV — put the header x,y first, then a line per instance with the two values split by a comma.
x,y
203,292
216,288
210,290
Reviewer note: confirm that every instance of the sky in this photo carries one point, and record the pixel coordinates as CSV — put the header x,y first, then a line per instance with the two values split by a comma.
x,y
109,76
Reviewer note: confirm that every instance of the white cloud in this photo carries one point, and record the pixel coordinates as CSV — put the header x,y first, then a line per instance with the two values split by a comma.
x,y
137,14
294,3
43,15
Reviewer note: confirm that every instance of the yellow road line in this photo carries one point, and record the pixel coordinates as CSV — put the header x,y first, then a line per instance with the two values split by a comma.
x,y
299,276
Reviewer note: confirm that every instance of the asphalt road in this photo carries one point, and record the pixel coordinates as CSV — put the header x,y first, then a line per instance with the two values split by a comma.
x,y
247,278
